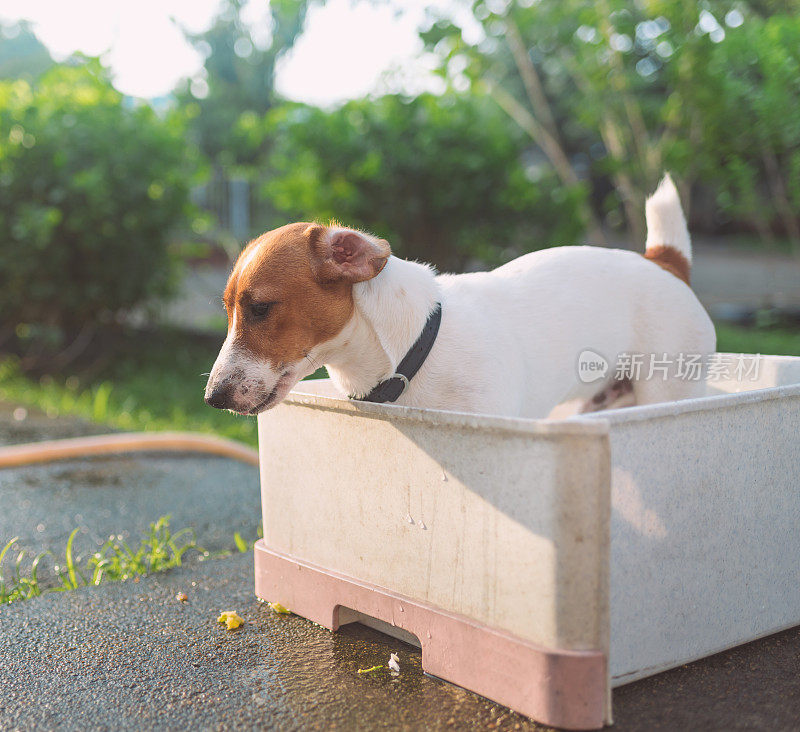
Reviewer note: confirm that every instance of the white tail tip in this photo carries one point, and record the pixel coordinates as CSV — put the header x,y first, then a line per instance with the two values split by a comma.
x,y
666,225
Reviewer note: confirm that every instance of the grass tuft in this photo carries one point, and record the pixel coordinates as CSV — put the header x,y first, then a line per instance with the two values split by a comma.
x,y
241,544
158,550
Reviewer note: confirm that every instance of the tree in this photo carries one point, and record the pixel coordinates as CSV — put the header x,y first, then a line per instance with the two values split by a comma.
x,y
239,74
444,179
90,191
747,102
611,76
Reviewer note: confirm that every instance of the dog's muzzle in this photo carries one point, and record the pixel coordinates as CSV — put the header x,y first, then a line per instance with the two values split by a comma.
x,y
220,397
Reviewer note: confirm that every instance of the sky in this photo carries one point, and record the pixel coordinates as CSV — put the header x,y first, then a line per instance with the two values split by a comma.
x,y
349,47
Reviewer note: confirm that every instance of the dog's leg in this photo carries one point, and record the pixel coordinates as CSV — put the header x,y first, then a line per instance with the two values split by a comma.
x,y
616,394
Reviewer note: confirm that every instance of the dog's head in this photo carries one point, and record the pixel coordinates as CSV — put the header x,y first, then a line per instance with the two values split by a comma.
x,y
290,290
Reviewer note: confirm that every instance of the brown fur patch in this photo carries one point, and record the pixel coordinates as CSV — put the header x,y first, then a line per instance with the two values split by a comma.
x,y
277,268
669,258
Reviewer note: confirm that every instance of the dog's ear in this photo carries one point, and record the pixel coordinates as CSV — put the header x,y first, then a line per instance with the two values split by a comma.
x,y
344,255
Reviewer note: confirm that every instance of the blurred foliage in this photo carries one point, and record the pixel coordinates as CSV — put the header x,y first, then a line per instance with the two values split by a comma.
x,y
746,99
782,339
643,87
132,381
559,119
90,189
444,179
239,74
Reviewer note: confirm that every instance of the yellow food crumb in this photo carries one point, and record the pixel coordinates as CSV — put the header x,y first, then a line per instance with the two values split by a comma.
x,y
231,619
278,608
369,670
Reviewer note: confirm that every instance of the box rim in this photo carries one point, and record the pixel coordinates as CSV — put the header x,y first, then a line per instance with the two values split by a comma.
x,y
596,423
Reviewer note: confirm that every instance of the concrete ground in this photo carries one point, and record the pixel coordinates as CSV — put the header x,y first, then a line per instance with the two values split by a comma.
x,y
750,279
132,656
123,494
119,494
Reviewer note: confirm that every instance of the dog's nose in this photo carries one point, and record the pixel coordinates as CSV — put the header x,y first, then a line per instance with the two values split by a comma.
x,y
219,396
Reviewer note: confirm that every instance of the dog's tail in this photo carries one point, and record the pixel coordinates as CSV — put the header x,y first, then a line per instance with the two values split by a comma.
x,y
668,242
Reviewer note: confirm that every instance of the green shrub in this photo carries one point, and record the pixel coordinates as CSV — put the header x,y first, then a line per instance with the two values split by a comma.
x,y
748,109
91,186
444,179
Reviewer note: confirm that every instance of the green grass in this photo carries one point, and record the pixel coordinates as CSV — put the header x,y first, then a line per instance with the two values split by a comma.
x,y
152,381
158,550
773,341
139,381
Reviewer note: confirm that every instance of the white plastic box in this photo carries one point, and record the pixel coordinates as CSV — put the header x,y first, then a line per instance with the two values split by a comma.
x,y
541,562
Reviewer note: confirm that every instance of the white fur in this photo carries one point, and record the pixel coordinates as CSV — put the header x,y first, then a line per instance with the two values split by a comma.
x,y
379,330
510,339
665,222
250,256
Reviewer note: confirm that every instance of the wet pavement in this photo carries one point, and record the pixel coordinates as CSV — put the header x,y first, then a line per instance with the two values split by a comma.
x,y
122,495
132,656
119,495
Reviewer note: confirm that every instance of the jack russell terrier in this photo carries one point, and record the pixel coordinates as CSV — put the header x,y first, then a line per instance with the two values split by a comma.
x,y
505,342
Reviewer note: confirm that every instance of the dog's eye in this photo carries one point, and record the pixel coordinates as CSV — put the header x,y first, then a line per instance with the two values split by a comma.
x,y
260,310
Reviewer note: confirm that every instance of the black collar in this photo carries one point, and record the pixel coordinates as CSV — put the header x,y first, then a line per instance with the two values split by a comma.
x,y
391,389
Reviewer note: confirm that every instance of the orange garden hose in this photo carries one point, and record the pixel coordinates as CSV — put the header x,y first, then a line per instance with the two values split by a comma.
x,y
50,450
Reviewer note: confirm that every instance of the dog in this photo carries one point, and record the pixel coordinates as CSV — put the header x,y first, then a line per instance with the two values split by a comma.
x,y
505,342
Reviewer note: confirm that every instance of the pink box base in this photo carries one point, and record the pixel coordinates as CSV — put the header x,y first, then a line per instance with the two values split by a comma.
x,y
561,688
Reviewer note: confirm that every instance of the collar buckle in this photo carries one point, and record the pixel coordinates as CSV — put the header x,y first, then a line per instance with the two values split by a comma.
x,y
391,389
405,381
